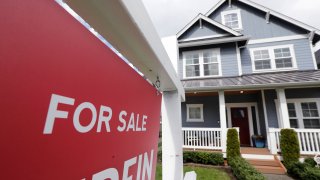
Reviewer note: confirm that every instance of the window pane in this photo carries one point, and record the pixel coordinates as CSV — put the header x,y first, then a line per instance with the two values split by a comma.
x,y
310,109
261,54
291,110
231,20
283,63
194,113
192,70
211,69
282,52
311,123
209,57
192,59
294,123
265,64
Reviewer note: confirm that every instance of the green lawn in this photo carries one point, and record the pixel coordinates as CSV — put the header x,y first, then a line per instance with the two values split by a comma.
x,y
202,173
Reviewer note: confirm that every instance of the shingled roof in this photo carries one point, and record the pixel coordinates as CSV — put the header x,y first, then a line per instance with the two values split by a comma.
x,y
256,81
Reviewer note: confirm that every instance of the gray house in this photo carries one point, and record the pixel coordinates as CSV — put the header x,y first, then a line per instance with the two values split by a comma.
x,y
244,65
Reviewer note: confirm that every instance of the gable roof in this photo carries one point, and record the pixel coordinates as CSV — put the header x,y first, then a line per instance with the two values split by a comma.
x,y
210,21
272,12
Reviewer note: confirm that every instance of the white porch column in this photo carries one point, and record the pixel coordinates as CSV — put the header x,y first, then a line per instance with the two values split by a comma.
x,y
223,120
283,108
172,162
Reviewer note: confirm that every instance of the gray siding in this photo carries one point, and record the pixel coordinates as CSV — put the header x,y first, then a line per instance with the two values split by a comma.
x,y
228,54
207,30
301,48
271,95
254,23
210,111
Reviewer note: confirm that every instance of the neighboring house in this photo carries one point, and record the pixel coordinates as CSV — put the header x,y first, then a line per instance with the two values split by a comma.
x,y
244,65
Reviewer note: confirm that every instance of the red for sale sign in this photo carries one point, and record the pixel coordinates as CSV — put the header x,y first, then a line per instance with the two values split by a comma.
x,y
70,107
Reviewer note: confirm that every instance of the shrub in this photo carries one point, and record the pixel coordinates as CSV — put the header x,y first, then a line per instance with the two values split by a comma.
x,y
242,170
159,155
303,171
233,144
289,146
310,162
203,157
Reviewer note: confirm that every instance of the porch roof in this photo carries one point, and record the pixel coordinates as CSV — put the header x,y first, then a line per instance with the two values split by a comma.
x,y
256,81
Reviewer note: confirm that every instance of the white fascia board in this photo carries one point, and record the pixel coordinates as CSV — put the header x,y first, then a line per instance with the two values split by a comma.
x,y
215,7
214,41
210,21
221,26
126,25
281,16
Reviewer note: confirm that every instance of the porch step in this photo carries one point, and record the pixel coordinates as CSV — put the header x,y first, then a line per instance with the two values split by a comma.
x,y
270,169
259,162
268,166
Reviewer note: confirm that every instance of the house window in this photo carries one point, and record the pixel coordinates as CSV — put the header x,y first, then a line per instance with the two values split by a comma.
x,y
273,58
293,116
232,19
204,63
311,119
195,113
304,113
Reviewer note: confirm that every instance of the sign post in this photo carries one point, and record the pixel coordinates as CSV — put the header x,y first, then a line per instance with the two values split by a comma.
x,y
70,107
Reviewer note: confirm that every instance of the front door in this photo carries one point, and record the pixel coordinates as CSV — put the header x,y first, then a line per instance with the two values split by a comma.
x,y
239,118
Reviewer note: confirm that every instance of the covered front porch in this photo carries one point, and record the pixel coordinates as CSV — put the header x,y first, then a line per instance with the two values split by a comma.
x,y
255,108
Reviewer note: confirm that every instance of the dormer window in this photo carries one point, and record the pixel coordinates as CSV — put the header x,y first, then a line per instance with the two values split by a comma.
x,y
232,19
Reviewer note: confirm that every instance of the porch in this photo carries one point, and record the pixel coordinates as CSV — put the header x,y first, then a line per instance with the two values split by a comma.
x,y
211,139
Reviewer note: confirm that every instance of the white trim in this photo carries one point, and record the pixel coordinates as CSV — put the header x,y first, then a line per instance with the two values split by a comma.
x,y
258,156
215,7
272,12
201,112
201,63
223,120
297,104
277,39
247,105
283,108
230,30
203,37
268,17
213,41
272,58
265,116
239,59
313,56
214,23
227,12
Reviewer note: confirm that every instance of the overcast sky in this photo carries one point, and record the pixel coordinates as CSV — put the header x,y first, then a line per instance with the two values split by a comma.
x,y
170,16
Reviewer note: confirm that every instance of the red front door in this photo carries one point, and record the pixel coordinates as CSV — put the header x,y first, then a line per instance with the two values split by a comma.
x,y
239,118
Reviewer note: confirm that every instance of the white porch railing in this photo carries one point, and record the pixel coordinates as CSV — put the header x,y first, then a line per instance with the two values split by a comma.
x,y
309,140
202,138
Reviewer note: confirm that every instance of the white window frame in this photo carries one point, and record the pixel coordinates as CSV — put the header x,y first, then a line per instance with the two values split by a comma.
x,y
298,108
237,11
201,113
201,63
273,59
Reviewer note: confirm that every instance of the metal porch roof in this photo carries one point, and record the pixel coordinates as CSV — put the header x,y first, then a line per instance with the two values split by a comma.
x,y
255,81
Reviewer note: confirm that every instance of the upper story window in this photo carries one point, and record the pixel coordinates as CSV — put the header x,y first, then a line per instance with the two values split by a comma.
x,y
232,19
273,58
204,63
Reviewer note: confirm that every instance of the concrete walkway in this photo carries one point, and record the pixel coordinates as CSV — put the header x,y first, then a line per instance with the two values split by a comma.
x,y
277,177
